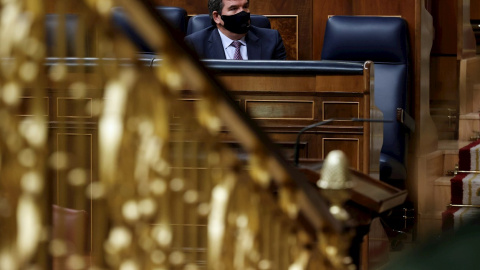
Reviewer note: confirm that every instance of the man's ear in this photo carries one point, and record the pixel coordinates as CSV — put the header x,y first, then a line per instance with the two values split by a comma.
x,y
216,17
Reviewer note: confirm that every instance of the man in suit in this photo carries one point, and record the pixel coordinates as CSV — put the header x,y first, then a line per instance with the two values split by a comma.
x,y
232,37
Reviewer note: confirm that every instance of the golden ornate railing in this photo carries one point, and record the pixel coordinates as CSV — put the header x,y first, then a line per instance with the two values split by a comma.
x,y
110,135
457,170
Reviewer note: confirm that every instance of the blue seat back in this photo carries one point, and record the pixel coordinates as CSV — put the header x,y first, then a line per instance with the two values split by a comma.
x,y
383,40
175,16
202,21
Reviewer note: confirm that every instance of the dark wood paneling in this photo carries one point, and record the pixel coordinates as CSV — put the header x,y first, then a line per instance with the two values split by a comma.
x,y
474,9
444,20
308,147
287,27
342,110
26,104
279,83
336,83
349,145
444,78
74,107
69,6
287,7
280,109
444,96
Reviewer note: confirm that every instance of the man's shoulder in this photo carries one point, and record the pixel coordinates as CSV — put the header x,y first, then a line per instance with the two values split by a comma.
x,y
202,33
263,31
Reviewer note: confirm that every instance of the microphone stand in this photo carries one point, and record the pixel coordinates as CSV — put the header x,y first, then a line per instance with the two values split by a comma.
x,y
297,142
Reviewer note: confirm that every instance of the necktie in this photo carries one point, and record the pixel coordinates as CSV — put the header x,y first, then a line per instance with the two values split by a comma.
x,y
237,55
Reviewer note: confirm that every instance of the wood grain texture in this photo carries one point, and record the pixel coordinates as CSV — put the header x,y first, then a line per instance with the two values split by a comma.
x,y
279,83
287,7
336,83
444,78
466,43
348,144
474,9
68,6
469,82
468,125
444,94
287,27
342,110
280,109
443,13
426,142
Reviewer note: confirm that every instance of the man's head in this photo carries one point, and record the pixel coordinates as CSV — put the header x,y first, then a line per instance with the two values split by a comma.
x,y
218,5
232,17
214,5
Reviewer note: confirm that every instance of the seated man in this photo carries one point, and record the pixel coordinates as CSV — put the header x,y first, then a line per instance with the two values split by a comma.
x,y
232,36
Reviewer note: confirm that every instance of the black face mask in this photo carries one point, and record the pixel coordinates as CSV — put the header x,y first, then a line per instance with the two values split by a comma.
x,y
238,23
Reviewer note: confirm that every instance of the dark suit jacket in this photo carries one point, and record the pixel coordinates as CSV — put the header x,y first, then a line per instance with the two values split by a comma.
x,y
262,44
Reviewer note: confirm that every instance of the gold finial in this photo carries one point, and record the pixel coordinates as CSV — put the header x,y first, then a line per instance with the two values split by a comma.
x,y
335,172
335,183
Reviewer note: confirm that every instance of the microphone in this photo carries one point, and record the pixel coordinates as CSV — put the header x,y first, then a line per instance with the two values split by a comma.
x,y
321,123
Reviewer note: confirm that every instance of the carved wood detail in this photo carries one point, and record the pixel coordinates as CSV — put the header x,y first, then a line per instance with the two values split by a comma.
x,y
287,26
280,109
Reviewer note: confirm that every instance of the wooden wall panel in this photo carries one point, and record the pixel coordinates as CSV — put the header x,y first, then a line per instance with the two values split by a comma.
x,y
285,140
287,7
340,109
71,6
444,14
444,95
444,78
454,40
26,105
474,9
349,145
280,109
287,26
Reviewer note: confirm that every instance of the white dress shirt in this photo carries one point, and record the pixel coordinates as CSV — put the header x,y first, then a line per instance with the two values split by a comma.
x,y
230,50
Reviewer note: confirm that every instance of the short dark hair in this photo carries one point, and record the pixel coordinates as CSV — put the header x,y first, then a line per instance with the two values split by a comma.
x,y
215,5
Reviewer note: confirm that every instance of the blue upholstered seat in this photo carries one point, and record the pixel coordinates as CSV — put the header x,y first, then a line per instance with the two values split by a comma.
x,y
176,17
383,40
202,21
